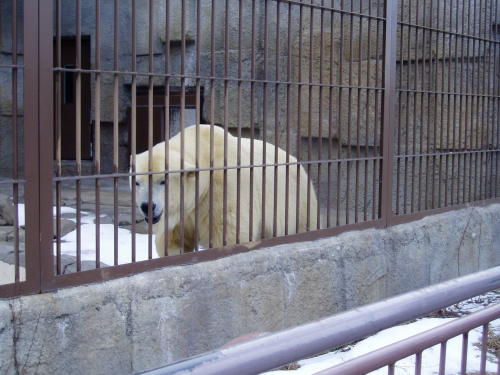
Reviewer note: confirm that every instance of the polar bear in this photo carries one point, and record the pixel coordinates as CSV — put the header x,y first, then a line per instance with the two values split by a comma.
x,y
256,219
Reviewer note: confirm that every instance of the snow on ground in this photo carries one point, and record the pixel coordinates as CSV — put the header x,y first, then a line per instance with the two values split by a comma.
x,y
7,273
88,244
106,232
430,357
64,210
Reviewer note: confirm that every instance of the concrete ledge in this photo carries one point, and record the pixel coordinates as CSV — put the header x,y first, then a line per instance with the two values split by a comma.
x,y
148,320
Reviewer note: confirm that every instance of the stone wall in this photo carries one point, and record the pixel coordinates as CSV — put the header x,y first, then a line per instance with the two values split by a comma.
x,y
154,318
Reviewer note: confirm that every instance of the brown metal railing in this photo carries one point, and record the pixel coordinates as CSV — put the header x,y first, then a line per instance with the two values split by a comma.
x,y
390,109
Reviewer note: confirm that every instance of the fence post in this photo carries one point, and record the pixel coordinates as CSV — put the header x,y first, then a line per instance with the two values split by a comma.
x,y
31,145
46,156
389,110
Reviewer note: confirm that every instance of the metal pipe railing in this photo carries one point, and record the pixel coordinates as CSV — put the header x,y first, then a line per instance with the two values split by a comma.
x,y
277,349
414,344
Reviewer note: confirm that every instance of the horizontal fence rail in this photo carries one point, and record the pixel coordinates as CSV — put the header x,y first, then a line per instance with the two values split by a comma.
x,y
388,355
281,348
321,116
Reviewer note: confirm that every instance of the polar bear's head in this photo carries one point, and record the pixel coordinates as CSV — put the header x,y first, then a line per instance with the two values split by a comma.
x,y
164,186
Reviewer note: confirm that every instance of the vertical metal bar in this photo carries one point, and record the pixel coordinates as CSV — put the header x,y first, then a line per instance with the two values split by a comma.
x,y
428,95
182,120
487,93
78,146
339,122
151,129
460,92
468,125
418,363
484,349
391,13
133,131
415,111
330,120
264,122
463,362
496,86
451,110
442,358
498,361
212,120
226,120
115,127
299,119
358,115
15,153
494,175
420,158
288,110
400,112
252,120
493,99
320,117
238,152
44,150
349,116
475,94
456,106
367,116
435,120
166,104
430,98
390,369
58,124
276,120
441,122
469,99
475,91
376,163
309,122
198,116
407,117
482,97
31,150
97,139
461,101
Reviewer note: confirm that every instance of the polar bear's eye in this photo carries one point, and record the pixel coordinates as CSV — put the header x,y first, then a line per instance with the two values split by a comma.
x,y
137,183
162,182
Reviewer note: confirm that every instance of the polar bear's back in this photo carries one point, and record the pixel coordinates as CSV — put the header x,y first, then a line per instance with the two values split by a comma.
x,y
262,203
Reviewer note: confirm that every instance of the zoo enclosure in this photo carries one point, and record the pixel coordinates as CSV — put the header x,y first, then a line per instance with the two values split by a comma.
x,y
392,108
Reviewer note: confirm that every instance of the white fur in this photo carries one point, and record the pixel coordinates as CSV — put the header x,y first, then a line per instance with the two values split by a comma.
x,y
218,191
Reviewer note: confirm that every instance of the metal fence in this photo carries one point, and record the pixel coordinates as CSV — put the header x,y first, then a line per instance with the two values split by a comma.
x,y
383,112
271,351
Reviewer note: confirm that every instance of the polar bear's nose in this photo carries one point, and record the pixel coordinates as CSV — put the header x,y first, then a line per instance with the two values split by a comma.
x,y
145,206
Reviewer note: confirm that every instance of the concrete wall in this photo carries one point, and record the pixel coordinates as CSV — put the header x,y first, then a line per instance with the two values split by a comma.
x,y
151,319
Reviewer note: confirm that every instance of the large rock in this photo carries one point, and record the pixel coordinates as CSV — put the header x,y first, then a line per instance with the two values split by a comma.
x,y
7,210
67,226
11,236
